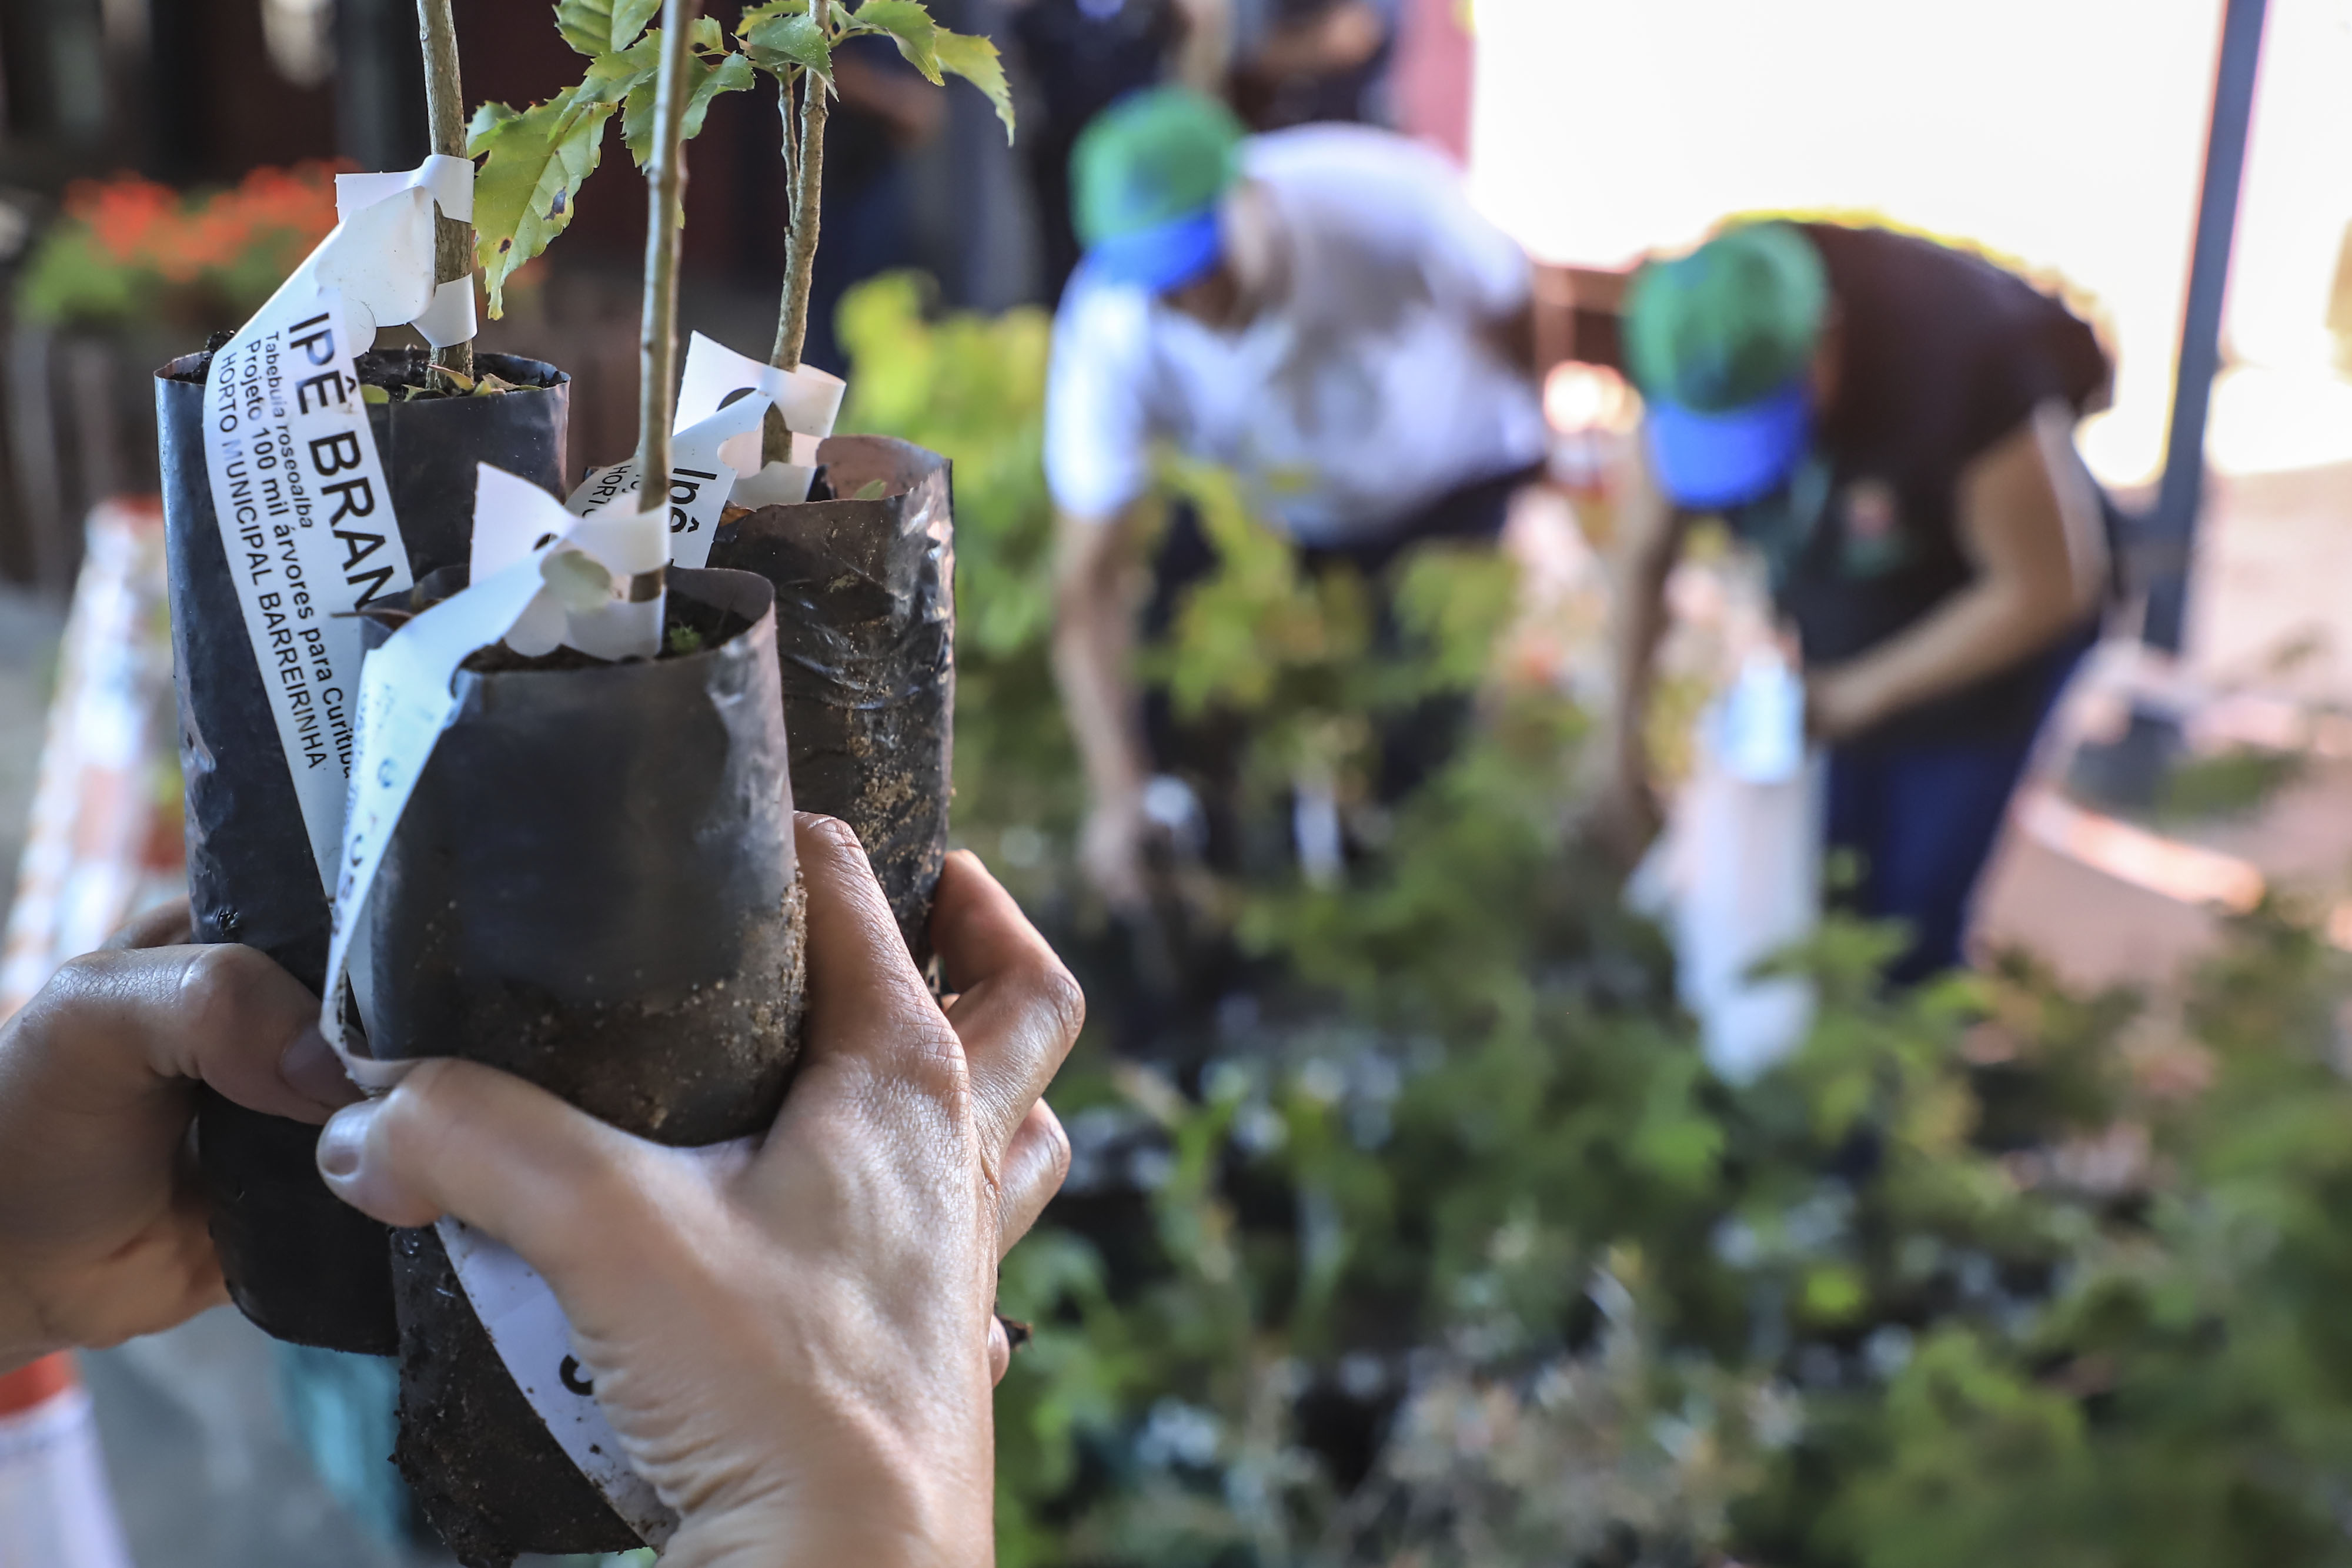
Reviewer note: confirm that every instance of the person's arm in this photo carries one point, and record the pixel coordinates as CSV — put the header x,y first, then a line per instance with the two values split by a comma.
x,y
2028,523
911,107
1338,38
1204,50
1096,589
1097,452
1649,539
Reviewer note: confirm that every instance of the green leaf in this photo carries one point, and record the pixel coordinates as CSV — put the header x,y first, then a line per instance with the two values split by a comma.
x,y
611,78
786,39
603,27
909,26
730,73
617,78
976,59
486,118
523,194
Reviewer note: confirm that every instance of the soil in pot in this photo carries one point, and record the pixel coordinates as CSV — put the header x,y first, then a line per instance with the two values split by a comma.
x,y
592,887
865,581
302,1264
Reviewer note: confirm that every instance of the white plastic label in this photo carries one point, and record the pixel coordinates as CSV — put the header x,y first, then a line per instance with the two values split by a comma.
x,y
723,398
809,399
586,601
716,373
533,1340
450,318
527,1329
701,479
305,515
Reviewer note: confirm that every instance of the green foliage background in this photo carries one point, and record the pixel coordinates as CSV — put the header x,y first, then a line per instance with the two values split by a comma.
x,y
1454,1252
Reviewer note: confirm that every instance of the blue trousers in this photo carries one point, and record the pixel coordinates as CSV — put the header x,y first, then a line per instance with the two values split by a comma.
x,y
1922,820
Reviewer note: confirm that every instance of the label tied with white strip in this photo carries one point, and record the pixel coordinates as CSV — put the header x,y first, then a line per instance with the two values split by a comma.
x,y
546,573
809,400
306,516
723,398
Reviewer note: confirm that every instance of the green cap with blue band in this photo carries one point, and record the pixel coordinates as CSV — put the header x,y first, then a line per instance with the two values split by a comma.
x,y
1145,180
1721,344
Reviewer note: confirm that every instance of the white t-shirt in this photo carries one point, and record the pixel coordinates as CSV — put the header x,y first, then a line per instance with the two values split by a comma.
x,y
1368,392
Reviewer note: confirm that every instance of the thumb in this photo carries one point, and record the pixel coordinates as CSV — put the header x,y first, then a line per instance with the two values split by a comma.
x,y
502,1155
114,1027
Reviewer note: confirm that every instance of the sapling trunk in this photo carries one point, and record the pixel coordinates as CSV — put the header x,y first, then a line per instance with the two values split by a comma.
x,y
657,325
804,169
444,108
807,169
666,188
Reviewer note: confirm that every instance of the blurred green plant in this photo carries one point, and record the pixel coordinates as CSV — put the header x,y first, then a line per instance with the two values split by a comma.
x,y
2234,783
1454,1252
972,388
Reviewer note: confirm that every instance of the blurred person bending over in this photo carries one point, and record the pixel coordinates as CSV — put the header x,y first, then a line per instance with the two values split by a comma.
x,y
1889,422
1317,310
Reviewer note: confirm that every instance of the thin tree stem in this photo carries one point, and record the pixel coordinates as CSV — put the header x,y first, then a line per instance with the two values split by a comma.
x,y
792,155
800,267
666,179
445,107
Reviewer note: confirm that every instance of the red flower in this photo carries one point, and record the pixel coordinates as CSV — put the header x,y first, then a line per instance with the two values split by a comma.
x,y
273,213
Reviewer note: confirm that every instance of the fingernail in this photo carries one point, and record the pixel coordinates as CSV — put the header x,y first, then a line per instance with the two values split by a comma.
x,y
344,1140
308,1066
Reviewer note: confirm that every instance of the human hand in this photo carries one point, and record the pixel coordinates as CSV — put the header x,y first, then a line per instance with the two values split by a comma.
x,y
1347,35
912,108
1339,39
1111,850
1623,820
1837,708
103,1224
797,1351
1623,815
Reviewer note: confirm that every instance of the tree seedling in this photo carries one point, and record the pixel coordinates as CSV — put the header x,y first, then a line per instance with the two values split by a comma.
x,y
538,158
673,97
793,42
